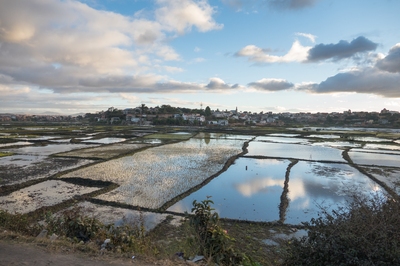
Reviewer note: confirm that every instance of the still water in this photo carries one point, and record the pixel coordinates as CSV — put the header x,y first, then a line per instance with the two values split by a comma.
x,y
296,151
252,194
255,190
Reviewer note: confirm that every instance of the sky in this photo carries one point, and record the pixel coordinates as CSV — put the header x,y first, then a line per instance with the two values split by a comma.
x,y
79,56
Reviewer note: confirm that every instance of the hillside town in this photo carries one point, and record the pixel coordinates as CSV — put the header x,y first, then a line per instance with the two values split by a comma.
x,y
168,115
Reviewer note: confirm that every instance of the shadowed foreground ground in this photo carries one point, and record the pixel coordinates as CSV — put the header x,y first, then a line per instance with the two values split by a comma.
x,y
19,253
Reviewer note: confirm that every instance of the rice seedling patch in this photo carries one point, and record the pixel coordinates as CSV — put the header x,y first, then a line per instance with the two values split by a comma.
x,y
47,193
122,217
17,168
155,176
48,149
104,152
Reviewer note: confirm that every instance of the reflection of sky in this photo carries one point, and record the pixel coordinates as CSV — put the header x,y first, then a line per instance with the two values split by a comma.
x,y
47,193
371,139
381,146
49,149
337,144
325,136
105,140
255,194
15,143
252,194
282,139
283,135
375,159
21,160
304,152
327,185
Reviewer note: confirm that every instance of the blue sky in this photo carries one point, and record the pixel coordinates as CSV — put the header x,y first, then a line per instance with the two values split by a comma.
x,y
70,56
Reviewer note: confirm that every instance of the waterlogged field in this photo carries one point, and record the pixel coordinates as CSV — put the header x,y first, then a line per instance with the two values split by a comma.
x,y
104,152
375,159
249,190
120,216
295,151
314,184
283,177
255,189
48,149
43,194
155,176
282,139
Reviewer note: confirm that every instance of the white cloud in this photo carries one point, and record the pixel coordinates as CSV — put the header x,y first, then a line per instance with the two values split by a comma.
x,y
307,35
182,15
67,46
129,97
297,53
271,84
219,84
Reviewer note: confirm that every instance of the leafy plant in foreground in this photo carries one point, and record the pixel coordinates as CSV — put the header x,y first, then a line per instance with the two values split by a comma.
x,y
366,232
215,243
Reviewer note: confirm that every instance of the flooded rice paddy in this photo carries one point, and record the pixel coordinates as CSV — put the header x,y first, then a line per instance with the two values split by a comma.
x,y
152,177
295,151
40,195
279,177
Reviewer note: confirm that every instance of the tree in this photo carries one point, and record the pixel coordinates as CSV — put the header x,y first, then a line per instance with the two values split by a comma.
x,y
207,111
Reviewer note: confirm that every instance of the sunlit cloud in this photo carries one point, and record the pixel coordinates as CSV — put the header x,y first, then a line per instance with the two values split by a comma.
x,y
297,53
307,35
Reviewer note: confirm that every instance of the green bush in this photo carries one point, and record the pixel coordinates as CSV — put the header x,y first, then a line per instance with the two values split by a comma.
x,y
215,243
18,223
366,232
71,223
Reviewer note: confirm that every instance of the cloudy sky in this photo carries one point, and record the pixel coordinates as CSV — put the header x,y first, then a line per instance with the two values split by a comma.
x,y
71,56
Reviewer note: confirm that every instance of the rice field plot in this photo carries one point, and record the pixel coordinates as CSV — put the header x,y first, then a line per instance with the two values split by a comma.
x,y
120,217
389,176
328,185
47,193
107,140
371,158
296,151
282,139
18,168
152,177
104,152
172,136
48,149
208,135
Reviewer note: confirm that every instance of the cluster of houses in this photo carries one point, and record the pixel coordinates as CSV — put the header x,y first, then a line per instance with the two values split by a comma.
x,y
143,115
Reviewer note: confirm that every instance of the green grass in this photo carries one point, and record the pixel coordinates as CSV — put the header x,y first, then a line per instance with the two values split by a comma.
x,y
4,154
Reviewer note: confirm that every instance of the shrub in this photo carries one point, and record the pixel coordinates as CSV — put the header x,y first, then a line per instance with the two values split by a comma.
x,y
215,243
366,232
71,223
18,223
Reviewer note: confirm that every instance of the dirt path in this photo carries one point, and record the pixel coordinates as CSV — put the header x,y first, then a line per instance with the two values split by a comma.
x,y
16,253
